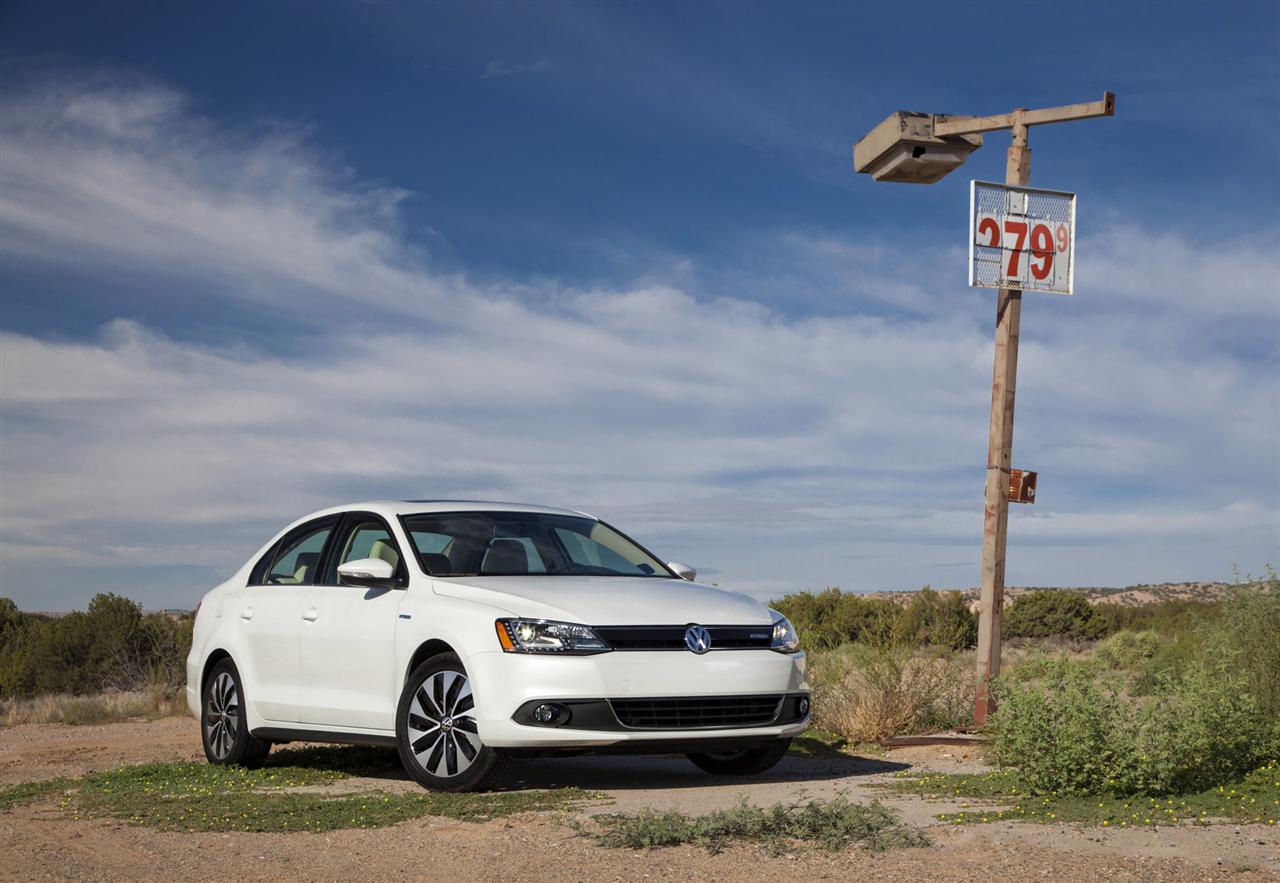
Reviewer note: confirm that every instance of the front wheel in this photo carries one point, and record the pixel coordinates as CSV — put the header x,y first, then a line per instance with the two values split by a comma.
x,y
747,762
436,730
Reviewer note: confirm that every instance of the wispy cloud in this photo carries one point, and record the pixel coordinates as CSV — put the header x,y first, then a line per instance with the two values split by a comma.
x,y
779,451
499,68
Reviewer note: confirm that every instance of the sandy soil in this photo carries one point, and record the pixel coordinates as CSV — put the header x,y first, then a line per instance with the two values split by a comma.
x,y
38,841
31,752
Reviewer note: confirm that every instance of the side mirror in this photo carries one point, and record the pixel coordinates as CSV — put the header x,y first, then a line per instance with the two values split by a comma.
x,y
368,573
684,571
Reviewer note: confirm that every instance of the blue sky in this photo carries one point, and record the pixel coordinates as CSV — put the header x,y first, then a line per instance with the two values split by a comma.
x,y
262,258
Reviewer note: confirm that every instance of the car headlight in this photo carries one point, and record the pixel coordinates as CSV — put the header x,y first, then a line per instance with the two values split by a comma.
x,y
541,636
785,639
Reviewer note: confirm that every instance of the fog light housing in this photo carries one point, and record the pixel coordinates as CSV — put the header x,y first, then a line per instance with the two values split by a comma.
x,y
804,706
547,713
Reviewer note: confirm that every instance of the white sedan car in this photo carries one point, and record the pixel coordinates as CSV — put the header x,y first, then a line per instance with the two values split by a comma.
x,y
466,634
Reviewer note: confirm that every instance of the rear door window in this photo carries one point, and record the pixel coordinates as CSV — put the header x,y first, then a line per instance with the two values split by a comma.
x,y
298,559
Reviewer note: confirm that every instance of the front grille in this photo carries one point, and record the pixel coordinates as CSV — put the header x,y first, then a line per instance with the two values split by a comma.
x,y
701,712
671,637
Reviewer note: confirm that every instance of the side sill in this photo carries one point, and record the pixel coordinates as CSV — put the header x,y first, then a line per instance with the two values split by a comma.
x,y
288,734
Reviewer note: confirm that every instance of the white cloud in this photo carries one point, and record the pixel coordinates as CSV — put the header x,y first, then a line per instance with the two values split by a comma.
x,y
126,179
774,451
1161,272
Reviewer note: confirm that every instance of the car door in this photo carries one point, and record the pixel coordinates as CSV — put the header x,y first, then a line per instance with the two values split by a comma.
x,y
348,634
270,619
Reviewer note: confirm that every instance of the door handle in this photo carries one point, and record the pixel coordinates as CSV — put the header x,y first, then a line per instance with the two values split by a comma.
x,y
311,615
246,614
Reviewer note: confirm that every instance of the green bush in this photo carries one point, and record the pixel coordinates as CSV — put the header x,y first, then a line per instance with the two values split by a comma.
x,y
1037,664
112,645
934,619
1072,732
1249,632
1165,617
1127,649
1243,628
1060,731
1201,729
1047,613
832,617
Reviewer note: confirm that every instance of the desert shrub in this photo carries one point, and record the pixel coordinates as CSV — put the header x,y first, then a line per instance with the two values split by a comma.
x,y
111,645
59,656
155,657
877,689
1177,653
832,617
1047,613
1201,729
834,824
1060,730
1249,632
12,620
1127,649
938,619
1164,617
14,637
1241,628
1038,663
1076,733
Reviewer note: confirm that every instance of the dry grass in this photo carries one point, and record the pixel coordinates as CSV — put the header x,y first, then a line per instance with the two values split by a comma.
x,y
103,708
873,692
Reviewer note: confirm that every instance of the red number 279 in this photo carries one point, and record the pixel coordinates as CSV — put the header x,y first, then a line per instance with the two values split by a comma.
x,y
1015,243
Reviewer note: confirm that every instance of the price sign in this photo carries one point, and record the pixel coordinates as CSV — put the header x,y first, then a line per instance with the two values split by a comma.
x,y
1021,237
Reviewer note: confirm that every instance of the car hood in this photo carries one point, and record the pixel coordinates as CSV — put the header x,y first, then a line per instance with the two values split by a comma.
x,y
604,600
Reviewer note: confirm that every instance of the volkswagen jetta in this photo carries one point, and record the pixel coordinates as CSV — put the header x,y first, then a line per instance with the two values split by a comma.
x,y
466,634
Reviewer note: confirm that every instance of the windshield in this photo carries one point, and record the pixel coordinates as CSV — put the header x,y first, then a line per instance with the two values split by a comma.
x,y
525,544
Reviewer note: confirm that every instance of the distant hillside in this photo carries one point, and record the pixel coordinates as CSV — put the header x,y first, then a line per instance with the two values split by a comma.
x,y
1130,596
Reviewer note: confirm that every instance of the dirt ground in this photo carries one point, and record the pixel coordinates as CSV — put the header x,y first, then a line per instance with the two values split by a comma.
x,y
38,841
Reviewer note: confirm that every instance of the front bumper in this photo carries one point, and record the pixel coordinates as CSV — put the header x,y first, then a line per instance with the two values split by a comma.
x,y
505,683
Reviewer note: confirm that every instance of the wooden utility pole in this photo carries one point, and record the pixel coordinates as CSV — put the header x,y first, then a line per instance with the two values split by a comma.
x,y
921,148
995,521
1004,382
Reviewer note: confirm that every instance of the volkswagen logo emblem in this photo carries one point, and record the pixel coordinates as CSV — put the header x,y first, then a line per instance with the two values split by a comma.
x,y
697,639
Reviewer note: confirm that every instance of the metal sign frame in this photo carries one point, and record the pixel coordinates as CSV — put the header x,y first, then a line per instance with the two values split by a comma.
x,y
1028,283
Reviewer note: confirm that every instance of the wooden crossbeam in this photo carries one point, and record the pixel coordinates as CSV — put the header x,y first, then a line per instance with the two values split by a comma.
x,y
952,125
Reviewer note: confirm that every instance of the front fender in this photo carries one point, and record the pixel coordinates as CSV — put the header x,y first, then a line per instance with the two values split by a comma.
x,y
466,626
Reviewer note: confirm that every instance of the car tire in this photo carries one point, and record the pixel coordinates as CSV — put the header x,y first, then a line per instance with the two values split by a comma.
x,y
436,730
747,762
224,729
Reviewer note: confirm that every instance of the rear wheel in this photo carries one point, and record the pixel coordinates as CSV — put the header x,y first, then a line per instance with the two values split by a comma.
x,y
224,730
747,762
436,730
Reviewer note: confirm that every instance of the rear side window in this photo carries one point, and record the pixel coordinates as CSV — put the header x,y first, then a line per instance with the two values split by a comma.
x,y
296,559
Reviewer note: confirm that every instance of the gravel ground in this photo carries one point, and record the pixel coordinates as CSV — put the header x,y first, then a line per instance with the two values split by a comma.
x,y
38,841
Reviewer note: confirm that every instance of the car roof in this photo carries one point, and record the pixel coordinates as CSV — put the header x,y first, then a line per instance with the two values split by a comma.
x,y
395,508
